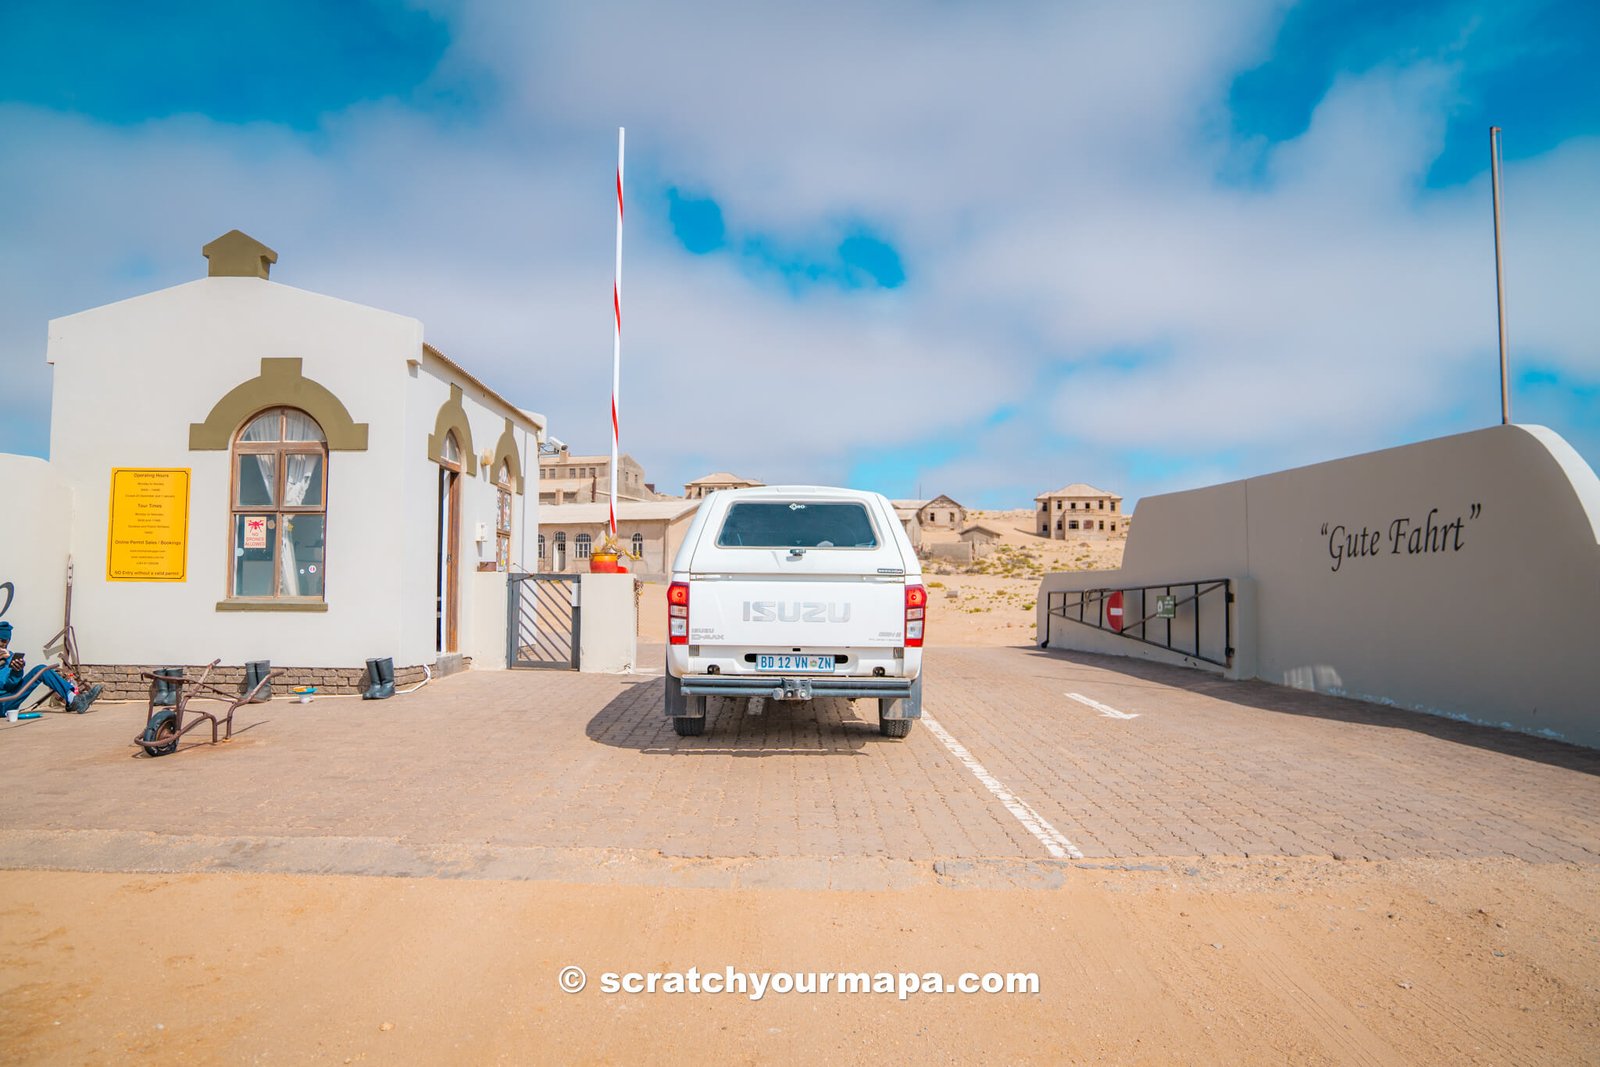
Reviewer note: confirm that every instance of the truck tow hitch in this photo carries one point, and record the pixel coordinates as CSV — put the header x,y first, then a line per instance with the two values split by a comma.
x,y
793,689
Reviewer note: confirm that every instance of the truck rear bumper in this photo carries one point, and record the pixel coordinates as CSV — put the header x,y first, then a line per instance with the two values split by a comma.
x,y
791,688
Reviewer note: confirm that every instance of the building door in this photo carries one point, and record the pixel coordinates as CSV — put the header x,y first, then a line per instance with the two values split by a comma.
x,y
449,602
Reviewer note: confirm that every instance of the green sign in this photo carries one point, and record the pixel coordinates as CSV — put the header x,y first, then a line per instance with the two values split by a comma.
x,y
1166,607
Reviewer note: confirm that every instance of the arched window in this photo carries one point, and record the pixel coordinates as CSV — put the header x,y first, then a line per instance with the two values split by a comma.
x,y
541,546
638,546
581,547
452,449
279,507
502,517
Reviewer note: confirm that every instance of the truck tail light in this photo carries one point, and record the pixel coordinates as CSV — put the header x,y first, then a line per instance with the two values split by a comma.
x,y
678,613
916,612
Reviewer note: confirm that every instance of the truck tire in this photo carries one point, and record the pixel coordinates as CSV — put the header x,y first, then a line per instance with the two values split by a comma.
x,y
895,727
685,726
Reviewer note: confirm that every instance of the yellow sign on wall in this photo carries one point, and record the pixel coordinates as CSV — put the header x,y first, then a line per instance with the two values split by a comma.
x,y
149,538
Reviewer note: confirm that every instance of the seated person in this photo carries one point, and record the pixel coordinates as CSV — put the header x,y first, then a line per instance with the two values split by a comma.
x,y
16,682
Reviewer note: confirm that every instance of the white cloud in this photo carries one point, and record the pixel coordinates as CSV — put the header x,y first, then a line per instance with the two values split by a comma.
x,y
1047,173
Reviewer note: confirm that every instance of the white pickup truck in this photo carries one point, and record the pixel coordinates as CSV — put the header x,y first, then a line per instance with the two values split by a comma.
x,y
790,592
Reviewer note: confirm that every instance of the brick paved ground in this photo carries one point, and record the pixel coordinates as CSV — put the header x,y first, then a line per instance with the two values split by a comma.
x,y
531,774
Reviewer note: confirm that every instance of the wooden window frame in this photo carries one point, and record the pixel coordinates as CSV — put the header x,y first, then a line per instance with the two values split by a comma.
x,y
279,449
502,511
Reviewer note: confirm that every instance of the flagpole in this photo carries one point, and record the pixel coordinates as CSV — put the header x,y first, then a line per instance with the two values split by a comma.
x,y
616,342
1499,279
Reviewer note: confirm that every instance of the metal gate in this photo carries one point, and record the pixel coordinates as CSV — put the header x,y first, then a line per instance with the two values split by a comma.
x,y
1202,612
542,620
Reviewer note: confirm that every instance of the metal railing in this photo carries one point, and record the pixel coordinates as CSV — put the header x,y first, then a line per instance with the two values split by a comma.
x,y
1089,607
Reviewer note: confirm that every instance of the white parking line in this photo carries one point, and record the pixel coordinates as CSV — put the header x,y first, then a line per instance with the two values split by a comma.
x,y
1054,841
1104,709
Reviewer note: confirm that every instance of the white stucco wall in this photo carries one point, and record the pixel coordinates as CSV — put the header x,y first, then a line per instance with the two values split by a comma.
x,y
607,637
484,630
33,552
1493,621
130,379
429,390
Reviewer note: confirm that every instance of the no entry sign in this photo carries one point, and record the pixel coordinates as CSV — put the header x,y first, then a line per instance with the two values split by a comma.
x,y
1114,611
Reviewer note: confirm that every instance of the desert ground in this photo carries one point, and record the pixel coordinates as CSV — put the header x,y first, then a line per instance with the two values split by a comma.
x,y
1230,872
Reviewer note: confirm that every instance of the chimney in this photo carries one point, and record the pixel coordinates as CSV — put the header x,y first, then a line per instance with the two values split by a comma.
x,y
238,255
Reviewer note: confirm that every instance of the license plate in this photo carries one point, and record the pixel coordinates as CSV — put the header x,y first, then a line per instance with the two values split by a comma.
x,y
807,664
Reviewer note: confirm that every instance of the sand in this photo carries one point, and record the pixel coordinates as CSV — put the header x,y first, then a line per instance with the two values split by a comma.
x,y
1265,962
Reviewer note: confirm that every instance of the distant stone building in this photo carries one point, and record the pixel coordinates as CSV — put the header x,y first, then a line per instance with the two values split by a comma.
x,y
940,513
1078,509
711,483
648,533
568,479
908,518
979,534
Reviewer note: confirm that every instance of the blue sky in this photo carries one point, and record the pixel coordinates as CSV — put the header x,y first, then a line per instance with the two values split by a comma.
x,y
909,246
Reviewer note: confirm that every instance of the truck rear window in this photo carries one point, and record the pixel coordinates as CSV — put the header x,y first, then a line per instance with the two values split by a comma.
x,y
796,525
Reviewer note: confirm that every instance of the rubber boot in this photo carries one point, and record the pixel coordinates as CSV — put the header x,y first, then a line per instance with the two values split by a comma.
x,y
254,671
163,694
374,689
381,672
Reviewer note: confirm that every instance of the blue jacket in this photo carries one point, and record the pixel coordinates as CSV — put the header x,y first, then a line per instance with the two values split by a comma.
x,y
10,677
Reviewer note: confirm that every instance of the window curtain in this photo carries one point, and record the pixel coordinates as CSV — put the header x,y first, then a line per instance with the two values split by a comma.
x,y
264,428
298,426
265,462
298,469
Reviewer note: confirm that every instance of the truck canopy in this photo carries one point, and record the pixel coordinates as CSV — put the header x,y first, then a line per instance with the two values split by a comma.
x,y
796,532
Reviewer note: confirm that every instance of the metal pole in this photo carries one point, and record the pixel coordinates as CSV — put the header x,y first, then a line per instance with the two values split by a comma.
x,y
616,347
1499,274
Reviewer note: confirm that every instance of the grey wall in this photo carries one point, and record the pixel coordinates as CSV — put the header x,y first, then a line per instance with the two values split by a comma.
x,y
1458,576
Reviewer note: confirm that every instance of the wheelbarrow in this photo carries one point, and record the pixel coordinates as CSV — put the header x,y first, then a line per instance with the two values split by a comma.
x,y
170,716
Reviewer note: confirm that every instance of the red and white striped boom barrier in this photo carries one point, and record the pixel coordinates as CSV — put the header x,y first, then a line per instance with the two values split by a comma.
x,y
616,341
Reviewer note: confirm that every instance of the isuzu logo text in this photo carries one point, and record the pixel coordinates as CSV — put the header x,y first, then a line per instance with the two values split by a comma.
x,y
795,611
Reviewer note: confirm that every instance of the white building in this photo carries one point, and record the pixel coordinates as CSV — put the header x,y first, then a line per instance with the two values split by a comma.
x,y
568,479
712,483
245,470
649,533
1079,509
